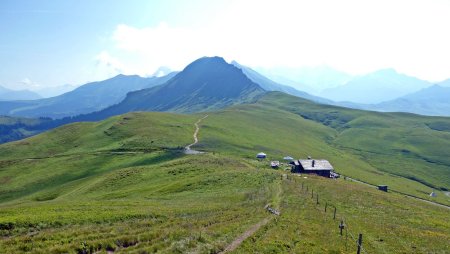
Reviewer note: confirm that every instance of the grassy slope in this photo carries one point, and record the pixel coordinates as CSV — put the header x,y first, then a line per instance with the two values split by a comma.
x,y
399,150
197,203
129,132
390,223
124,184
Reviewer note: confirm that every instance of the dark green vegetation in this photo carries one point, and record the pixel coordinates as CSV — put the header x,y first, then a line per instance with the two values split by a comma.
x,y
85,99
124,184
15,128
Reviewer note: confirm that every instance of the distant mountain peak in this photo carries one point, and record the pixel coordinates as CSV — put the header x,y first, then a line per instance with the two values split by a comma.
x,y
120,76
207,60
383,73
7,94
207,83
211,58
387,70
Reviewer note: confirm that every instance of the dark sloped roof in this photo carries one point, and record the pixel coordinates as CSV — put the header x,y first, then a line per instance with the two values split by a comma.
x,y
318,165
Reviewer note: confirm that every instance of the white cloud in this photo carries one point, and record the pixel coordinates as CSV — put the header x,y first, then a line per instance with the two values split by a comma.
x,y
351,35
106,62
26,83
162,45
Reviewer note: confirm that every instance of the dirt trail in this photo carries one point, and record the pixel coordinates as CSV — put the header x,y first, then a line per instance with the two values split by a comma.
x,y
187,149
232,246
249,232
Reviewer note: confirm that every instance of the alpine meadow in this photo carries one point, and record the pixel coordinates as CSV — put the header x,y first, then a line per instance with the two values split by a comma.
x,y
330,135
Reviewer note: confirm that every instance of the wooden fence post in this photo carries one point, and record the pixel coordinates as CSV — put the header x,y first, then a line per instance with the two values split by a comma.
x,y
317,201
312,193
359,244
341,226
334,216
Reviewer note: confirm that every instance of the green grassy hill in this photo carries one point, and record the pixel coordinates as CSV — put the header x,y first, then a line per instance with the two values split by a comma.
x,y
407,152
124,184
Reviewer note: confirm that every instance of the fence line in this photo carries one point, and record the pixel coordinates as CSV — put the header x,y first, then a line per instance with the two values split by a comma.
x,y
343,222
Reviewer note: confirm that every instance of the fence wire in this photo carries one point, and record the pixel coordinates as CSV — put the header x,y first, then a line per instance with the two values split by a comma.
x,y
306,189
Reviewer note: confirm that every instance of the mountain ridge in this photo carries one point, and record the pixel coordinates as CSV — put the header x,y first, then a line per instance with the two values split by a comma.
x,y
7,94
375,87
432,101
270,85
87,98
206,84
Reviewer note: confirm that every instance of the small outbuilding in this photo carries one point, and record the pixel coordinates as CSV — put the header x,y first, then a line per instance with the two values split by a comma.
x,y
274,164
312,166
261,155
383,188
433,194
288,158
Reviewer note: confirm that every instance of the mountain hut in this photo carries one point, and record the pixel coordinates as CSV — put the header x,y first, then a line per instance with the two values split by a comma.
x,y
312,166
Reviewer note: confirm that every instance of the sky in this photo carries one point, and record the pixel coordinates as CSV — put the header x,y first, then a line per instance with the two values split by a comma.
x,y
51,43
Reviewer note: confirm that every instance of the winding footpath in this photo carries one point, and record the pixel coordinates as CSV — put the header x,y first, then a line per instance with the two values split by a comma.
x,y
187,149
232,246
249,232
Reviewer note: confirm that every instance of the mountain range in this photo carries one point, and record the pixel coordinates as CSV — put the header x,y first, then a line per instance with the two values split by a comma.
x,y
207,84
85,99
11,95
309,79
47,92
382,90
270,85
433,100
376,87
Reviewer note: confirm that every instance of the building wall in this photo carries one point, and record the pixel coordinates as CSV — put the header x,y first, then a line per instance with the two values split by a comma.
x,y
325,173
299,169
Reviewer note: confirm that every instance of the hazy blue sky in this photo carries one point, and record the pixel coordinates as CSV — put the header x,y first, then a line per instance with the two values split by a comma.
x,y
50,43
